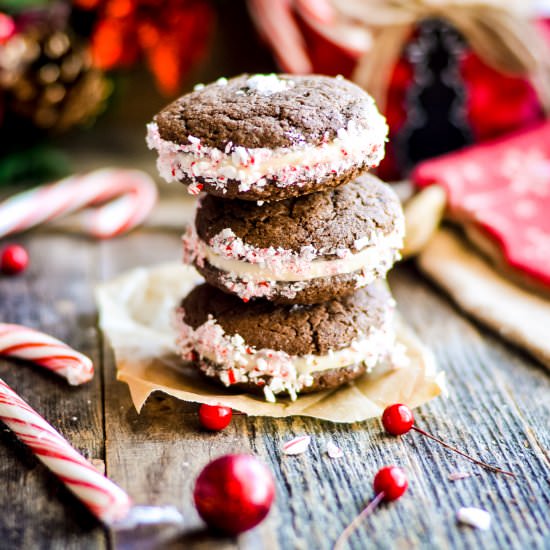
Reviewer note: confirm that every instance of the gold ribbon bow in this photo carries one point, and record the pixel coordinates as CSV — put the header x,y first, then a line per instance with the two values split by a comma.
x,y
501,32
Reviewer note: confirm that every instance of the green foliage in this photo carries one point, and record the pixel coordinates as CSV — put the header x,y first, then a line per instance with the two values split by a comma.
x,y
37,164
14,6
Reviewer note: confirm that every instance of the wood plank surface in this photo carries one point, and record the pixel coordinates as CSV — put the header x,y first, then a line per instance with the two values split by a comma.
x,y
498,409
55,295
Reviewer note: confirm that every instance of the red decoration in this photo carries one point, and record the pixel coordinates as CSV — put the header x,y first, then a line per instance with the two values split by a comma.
x,y
13,260
398,419
234,493
215,418
496,104
171,35
7,28
503,188
391,482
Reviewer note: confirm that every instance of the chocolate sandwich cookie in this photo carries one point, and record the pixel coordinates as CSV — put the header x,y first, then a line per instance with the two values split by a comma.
x,y
283,349
300,250
268,137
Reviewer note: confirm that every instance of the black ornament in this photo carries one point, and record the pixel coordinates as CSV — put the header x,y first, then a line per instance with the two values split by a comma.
x,y
436,116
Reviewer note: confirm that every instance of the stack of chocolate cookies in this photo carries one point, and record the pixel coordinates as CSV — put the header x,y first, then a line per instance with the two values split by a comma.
x,y
292,235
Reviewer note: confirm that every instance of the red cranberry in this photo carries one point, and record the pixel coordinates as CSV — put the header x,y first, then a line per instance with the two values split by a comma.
x,y
215,418
392,481
14,259
234,493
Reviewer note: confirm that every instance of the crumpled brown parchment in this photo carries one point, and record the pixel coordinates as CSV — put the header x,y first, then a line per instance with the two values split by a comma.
x,y
135,311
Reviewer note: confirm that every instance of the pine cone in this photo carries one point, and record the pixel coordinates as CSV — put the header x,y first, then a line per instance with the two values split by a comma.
x,y
49,80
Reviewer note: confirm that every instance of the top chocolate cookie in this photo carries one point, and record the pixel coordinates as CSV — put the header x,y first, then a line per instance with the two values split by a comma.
x,y
268,137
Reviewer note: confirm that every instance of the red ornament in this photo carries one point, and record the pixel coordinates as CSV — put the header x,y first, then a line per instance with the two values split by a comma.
x,y
398,419
169,35
215,418
13,260
234,493
389,484
7,27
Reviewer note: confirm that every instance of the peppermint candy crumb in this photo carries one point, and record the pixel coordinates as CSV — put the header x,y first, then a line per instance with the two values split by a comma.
x,y
334,451
297,446
474,517
455,476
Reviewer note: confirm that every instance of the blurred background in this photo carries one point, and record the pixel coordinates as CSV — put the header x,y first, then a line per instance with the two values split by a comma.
x,y
79,79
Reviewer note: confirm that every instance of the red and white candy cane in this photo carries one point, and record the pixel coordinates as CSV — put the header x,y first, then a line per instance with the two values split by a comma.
x,y
31,345
107,501
132,195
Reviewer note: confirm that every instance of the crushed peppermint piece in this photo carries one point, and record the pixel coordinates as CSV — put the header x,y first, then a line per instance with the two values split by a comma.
x,y
222,81
269,395
198,87
455,476
267,84
474,517
297,446
334,451
359,244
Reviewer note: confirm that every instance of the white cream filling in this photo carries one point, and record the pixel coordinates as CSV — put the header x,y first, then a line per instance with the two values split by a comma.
x,y
232,360
366,350
370,257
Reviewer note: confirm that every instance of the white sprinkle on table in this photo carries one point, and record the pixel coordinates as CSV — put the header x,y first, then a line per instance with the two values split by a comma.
x,y
455,476
474,517
334,451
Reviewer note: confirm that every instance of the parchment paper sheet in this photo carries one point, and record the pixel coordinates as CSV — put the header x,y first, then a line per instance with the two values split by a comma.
x,y
136,313
518,315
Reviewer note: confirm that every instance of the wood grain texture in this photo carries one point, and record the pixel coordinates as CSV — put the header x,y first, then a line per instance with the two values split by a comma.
x,y
498,409
54,295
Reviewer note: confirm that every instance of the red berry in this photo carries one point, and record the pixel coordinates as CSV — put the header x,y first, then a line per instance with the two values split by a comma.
x,y
215,418
392,481
234,493
14,259
397,419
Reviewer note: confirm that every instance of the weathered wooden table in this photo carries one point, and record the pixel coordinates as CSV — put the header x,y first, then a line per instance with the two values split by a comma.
x,y
498,409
